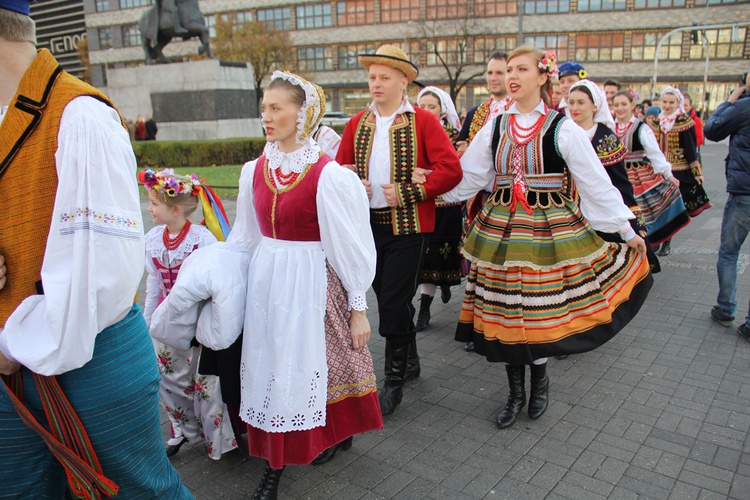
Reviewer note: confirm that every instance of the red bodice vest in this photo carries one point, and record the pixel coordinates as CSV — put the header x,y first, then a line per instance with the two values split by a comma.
x,y
290,213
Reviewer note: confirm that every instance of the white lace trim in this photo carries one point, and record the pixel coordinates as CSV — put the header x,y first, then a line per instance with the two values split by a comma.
x,y
358,301
155,245
311,99
295,161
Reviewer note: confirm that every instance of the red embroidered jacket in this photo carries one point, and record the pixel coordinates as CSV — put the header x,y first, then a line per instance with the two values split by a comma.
x,y
417,140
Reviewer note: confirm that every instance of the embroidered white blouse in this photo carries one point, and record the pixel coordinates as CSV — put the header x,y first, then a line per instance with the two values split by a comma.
x,y
95,249
653,152
598,195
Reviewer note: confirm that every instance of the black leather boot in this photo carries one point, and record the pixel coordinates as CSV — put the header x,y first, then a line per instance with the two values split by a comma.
x,y
516,397
268,487
445,294
396,356
666,249
413,370
423,317
327,455
538,391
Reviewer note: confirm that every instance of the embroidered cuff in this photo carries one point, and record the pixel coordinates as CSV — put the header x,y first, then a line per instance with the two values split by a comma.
x,y
358,301
409,194
696,169
628,235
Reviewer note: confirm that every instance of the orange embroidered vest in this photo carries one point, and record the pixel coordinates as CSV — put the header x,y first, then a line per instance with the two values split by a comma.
x,y
28,177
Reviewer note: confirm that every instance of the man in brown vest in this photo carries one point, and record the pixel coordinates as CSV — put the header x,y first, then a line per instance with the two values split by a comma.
x,y
78,394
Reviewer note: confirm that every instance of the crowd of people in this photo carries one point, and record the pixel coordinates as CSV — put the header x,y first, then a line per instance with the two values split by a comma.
x,y
550,199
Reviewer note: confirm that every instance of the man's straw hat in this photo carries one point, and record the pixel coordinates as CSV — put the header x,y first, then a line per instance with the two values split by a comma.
x,y
388,55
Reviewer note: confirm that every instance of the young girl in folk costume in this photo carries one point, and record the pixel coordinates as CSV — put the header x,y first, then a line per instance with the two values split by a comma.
x,y
442,265
192,400
542,282
656,189
675,133
588,108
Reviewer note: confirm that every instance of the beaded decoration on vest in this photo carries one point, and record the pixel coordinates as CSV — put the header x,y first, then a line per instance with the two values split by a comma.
x,y
628,136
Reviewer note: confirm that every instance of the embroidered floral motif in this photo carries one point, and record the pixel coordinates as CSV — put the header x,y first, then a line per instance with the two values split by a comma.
x,y
165,362
198,388
317,416
298,420
94,216
178,414
277,421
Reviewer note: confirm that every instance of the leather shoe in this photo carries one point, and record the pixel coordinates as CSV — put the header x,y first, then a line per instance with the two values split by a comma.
x,y
327,455
469,347
172,449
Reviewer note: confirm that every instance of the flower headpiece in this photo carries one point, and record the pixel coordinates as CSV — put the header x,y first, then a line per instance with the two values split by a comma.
x,y
312,109
636,98
171,184
548,64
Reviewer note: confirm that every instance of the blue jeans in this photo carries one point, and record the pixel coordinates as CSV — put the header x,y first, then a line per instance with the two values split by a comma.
x,y
735,225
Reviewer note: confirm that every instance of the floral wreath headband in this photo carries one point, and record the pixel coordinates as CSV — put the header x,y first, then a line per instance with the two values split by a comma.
x,y
171,184
548,64
633,93
312,109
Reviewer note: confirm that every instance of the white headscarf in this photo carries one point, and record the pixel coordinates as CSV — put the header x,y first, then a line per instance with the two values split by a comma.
x,y
667,121
447,108
601,114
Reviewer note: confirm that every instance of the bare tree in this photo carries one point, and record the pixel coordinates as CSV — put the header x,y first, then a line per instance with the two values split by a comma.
x,y
257,43
451,44
83,56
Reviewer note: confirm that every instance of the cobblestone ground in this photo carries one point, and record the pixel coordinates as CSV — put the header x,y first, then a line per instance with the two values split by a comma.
x,y
661,411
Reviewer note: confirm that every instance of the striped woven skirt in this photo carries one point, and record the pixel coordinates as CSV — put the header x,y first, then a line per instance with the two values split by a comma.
x,y
545,284
116,397
661,203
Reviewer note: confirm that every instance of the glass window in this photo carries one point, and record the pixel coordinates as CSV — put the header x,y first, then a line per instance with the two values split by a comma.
x,y
314,16
600,47
347,54
211,25
597,5
105,38
129,4
643,46
102,5
314,59
451,50
355,12
724,43
558,43
446,9
131,36
280,18
546,6
660,4
485,46
393,11
489,8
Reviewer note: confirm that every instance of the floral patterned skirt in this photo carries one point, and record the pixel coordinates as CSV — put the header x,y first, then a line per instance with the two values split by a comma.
x,y
442,264
193,401
695,197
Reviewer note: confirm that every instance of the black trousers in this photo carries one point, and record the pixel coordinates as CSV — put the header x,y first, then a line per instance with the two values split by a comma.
x,y
399,261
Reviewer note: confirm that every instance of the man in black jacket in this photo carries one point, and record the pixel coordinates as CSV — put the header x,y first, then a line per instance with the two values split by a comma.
x,y
732,119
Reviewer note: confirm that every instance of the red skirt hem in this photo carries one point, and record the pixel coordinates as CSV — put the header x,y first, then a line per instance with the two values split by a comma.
x,y
345,418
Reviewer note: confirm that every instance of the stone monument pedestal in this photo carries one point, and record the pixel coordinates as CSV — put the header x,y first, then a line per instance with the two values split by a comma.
x,y
207,99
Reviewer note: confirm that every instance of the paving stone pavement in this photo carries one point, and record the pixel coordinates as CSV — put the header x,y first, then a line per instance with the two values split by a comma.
x,y
661,411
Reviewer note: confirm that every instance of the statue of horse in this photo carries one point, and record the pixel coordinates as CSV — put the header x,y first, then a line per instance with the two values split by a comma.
x,y
168,19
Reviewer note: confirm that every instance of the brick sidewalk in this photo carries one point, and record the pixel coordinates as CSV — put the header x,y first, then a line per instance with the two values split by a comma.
x,y
658,412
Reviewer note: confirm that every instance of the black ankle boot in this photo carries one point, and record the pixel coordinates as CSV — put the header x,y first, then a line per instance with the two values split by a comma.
x,y
666,249
516,397
445,294
268,487
538,391
413,369
423,317
327,455
396,356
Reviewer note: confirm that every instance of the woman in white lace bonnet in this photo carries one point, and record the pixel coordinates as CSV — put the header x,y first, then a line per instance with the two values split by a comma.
x,y
307,378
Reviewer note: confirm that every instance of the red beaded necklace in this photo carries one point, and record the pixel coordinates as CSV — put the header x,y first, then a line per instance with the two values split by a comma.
x,y
523,135
621,130
285,179
173,243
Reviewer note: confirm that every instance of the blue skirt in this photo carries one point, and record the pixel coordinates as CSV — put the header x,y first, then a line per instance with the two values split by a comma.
x,y
116,397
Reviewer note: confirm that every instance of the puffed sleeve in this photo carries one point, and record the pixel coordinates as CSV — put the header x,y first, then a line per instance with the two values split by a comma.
x,y
94,256
345,233
653,152
478,167
601,203
245,233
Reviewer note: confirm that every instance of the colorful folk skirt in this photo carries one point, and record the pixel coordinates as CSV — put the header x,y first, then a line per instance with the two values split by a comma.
x,y
695,197
545,284
442,263
660,201
352,405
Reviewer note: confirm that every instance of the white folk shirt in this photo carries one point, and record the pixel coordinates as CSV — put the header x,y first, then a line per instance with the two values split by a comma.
x,y
91,269
594,186
379,167
653,152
